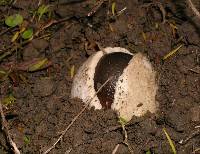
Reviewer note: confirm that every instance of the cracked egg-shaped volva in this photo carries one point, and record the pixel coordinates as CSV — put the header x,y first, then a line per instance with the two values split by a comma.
x,y
130,79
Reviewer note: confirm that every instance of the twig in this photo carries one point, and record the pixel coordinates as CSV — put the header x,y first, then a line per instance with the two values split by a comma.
x,y
115,149
76,117
194,9
6,131
196,150
5,31
197,126
11,50
50,23
194,134
195,70
96,7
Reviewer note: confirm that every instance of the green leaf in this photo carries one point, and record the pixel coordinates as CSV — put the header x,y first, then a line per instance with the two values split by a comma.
x,y
27,34
14,20
42,10
38,65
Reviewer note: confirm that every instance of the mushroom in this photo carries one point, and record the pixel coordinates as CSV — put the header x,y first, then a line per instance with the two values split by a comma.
x,y
131,89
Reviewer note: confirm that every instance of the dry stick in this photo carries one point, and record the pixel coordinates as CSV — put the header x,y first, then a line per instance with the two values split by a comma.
x,y
196,150
124,142
11,50
96,7
50,23
6,131
5,31
76,117
194,134
191,5
115,149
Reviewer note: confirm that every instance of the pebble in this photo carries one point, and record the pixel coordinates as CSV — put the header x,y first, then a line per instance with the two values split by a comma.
x,y
195,114
43,87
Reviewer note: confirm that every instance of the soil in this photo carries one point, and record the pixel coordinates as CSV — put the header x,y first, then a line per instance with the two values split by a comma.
x,y
43,107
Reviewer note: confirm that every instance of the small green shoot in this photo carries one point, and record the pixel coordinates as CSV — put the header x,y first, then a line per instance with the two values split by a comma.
x,y
27,140
8,100
122,121
42,10
14,20
148,152
113,8
170,142
27,34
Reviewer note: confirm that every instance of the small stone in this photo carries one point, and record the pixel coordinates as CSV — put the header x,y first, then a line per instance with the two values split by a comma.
x,y
57,45
40,44
195,114
30,52
41,128
43,87
20,91
176,120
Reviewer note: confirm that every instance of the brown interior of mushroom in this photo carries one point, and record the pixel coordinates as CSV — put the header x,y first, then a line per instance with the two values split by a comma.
x,y
110,66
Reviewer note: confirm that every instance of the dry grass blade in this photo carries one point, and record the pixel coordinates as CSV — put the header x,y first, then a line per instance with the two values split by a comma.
x,y
76,117
191,5
172,52
115,149
170,142
6,131
96,7
196,150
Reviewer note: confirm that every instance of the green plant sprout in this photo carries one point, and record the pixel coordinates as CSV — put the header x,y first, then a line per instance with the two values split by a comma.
x,y
27,140
17,20
148,152
43,9
8,100
27,34
122,121
14,20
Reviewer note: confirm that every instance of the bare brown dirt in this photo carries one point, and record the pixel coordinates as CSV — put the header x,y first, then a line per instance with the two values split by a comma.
x,y
43,108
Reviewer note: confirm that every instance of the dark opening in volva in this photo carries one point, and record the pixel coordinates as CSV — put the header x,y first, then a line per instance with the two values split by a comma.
x,y
110,65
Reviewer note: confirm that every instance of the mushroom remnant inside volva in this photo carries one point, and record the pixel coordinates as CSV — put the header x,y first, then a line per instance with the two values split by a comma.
x,y
110,66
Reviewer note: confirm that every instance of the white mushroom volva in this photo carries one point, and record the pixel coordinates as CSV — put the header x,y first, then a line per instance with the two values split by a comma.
x,y
131,89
